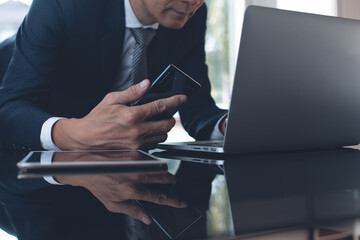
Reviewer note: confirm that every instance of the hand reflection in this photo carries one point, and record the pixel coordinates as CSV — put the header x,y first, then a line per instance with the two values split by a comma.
x,y
115,190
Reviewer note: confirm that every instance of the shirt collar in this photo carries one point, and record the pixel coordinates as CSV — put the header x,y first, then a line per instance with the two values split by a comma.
x,y
131,20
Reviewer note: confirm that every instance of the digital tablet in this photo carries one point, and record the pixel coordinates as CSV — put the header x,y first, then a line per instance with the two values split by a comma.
x,y
50,163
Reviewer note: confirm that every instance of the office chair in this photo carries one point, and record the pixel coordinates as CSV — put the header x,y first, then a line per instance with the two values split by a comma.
x,y
6,51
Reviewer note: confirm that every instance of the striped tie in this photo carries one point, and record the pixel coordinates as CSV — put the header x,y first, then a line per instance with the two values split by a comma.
x,y
143,37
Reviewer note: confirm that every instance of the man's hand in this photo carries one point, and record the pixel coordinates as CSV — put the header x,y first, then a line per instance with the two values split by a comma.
x,y
114,191
114,125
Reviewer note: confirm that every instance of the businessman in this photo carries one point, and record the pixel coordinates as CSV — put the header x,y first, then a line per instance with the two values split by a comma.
x,y
78,63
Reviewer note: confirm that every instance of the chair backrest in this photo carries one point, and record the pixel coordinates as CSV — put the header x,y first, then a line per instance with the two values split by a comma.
x,y
6,52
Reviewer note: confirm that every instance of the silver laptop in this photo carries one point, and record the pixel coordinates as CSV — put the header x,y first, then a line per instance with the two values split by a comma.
x,y
297,84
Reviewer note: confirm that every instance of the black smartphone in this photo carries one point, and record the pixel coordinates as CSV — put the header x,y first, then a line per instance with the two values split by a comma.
x,y
172,81
172,221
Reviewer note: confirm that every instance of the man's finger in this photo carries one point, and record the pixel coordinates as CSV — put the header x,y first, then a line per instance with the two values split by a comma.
x,y
154,128
131,94
159,106
152,141
161,198
164,178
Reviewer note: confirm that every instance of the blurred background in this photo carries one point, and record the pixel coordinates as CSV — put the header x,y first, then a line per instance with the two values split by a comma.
x,y
222,41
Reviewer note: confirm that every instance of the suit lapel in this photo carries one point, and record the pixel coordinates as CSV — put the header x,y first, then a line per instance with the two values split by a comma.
x,y
112,39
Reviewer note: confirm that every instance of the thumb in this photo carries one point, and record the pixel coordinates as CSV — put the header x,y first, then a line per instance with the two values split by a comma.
x,y
133,93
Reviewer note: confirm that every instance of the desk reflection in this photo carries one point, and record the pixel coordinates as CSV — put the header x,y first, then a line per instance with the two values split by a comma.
x,y
312,193
307,195
81,208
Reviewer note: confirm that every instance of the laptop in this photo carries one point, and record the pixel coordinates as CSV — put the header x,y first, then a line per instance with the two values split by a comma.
x,y
296,87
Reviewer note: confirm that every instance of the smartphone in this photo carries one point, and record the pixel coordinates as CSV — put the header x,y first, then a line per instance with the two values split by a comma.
x,y
172,221
172,81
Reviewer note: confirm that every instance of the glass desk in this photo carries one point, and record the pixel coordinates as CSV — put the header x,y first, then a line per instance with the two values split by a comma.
x,y
304,195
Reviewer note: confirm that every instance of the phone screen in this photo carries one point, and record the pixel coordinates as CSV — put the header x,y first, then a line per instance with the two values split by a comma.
x,y
171,82
172,221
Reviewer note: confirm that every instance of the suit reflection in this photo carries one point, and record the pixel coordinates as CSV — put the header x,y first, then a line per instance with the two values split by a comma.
x,y
39,210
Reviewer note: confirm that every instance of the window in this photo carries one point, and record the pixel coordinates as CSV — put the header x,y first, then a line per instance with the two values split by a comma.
x,y
12,13
324,7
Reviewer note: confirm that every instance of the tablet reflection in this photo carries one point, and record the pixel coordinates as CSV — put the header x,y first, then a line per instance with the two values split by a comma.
x,y
39,164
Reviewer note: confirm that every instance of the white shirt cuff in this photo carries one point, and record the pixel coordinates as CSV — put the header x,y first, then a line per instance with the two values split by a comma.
x,y
45,135
46,159
216,134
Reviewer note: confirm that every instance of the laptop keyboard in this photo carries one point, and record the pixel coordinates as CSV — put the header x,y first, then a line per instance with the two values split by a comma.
x,y
208,143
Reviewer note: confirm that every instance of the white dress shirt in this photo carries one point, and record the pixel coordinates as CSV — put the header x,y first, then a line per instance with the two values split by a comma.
x,y
123,80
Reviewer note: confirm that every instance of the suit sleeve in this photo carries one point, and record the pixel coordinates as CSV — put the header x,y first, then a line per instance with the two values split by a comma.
x,y
200,114
24,93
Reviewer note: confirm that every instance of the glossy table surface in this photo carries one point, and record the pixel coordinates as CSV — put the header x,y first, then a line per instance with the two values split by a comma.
x,y
303,195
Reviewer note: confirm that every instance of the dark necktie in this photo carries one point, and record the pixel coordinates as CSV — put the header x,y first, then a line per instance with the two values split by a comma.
x,y
143,37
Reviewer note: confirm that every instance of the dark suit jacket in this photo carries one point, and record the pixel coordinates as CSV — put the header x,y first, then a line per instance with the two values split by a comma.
x,y
6,51
66,57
